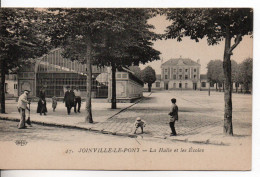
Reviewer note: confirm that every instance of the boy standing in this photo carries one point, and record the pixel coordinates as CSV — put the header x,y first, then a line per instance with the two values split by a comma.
x,y
174,116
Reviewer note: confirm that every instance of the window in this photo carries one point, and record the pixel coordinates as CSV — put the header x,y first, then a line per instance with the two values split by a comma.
x,y
180,76
180,70
195,76
203,84
165,77
165,70
186,70
157,84
186,85
174,76
124,75
15,86
180,85
195,70
174,70
186,77
118,75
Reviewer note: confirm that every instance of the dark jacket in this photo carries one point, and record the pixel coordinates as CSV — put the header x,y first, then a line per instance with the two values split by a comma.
x,y
69,98
42,103
174,112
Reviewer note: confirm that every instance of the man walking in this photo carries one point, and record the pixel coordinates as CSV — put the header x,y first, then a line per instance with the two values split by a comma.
x,y
69,99
22,105
174,116
77,100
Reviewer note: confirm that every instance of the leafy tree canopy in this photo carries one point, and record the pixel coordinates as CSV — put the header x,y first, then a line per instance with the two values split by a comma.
x,y
148,75
210,23
121,36
21,36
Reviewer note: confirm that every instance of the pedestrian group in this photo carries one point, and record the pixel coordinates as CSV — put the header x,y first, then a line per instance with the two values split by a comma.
x,y
73,99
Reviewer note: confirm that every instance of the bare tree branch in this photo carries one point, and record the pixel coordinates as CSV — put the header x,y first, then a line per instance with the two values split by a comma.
x,y
238,39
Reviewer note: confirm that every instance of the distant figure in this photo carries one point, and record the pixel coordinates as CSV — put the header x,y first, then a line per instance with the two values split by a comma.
x,y
77,99
139,123
69,99
22,105
174,116
42,108
54,103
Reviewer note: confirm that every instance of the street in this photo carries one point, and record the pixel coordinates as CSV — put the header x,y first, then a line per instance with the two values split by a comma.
x,y
200,117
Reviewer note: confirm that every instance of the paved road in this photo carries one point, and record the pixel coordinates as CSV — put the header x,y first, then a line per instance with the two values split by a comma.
x,y
198,114
46,134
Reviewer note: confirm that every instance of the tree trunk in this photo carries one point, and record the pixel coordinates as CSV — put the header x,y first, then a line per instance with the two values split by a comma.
x,y
88,117
228,128
113,100
216,87
209,89
2,88
223,86
236,88
149,87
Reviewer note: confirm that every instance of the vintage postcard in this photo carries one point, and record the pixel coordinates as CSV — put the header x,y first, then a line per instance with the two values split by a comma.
x,y
126,88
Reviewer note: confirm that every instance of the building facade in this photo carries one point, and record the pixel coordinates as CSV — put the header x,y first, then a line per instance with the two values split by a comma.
x,y
128,86
180,73
55,73
11,85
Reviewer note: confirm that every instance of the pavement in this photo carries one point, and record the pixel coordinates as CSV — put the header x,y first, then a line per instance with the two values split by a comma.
x,y
200,117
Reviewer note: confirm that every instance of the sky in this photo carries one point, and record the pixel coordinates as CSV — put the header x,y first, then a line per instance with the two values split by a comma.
x,y
188,48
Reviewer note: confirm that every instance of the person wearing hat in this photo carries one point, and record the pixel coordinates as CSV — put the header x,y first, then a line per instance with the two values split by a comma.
x,y
139,123
174,116
22,105
77,100
69,99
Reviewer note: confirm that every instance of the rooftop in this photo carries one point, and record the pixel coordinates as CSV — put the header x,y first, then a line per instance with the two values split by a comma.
x,y
180,62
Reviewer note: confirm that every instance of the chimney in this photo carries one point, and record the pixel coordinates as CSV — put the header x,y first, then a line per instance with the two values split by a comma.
x,y
198,61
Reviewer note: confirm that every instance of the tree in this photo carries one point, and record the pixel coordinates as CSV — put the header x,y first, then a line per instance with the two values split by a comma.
x,y
104,37
216,25
130,44
149,76
246,74
235,73
22,37
215,72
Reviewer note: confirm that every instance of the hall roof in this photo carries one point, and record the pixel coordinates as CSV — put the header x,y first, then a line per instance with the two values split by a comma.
x,y
180,62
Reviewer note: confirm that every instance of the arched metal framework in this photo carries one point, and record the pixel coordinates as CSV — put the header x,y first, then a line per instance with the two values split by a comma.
x,y
55,73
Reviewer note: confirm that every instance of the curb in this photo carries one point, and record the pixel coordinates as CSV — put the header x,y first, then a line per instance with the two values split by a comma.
x,y
208,141
124,109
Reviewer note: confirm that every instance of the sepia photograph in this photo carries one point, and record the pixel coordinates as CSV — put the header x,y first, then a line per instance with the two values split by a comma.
x,y
126,88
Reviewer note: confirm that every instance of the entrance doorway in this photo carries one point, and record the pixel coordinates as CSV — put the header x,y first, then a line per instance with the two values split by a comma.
x,y
194,86
166,86
180,85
